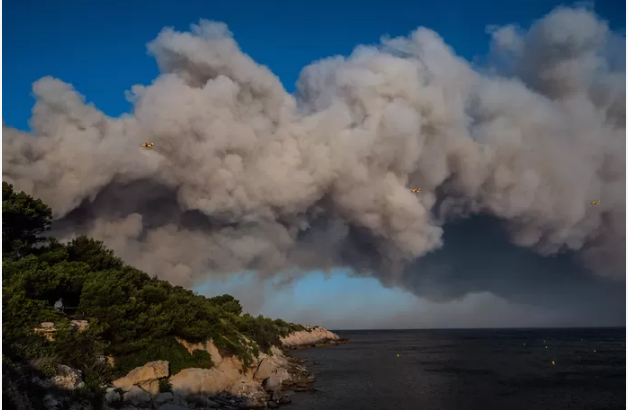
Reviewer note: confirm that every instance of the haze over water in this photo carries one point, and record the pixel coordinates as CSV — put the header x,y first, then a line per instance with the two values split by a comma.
x,y
470,369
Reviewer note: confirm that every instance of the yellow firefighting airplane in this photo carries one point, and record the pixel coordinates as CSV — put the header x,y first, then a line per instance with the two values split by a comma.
x,y
416,191
595,202
147,144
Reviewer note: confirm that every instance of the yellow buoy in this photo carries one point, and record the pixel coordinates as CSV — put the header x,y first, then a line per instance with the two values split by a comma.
x,y
553,363
397,355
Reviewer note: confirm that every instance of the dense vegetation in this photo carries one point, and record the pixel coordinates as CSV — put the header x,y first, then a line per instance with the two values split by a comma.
x,y
132,317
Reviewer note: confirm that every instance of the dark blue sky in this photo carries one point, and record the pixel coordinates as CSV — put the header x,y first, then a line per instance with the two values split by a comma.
x,y
100,46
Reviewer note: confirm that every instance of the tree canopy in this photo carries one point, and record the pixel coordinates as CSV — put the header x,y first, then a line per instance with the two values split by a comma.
x,y
24,220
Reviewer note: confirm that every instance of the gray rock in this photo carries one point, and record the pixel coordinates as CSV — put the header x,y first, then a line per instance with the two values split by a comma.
x,y
179,399
252,404
272,384
82,406
212,404
161,398
202,401
170,406
272,405
50,402
276,396
112,396
137,396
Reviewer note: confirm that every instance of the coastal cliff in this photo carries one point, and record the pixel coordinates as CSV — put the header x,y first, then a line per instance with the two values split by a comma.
x,y
128,339
266,382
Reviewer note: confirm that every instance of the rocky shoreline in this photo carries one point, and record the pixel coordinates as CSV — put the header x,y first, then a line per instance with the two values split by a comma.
x,y
268,382
324,343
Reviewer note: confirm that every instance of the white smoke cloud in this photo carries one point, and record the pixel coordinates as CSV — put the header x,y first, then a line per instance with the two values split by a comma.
x,y
244,175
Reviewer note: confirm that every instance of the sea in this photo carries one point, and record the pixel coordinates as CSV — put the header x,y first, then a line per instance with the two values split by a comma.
x,y
505,369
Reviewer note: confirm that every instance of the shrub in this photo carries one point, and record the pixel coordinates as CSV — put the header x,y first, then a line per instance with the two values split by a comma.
x,y
163,349
164,386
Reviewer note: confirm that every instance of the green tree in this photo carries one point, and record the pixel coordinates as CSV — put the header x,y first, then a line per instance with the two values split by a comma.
x,y
94,253
24,220
228,303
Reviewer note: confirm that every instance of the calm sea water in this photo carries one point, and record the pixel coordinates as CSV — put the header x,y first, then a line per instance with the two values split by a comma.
x,y
469,369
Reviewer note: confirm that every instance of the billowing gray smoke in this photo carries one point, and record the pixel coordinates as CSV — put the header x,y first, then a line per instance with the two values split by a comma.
x,y
244,175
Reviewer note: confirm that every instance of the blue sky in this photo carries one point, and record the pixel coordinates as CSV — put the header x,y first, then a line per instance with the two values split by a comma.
x,y
100,48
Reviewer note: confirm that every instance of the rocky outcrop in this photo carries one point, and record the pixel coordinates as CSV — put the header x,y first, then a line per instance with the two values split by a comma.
x,y
60,386
144,375
68,378
64,378
79,325
230,376
194,381
229,384
48,329
311,337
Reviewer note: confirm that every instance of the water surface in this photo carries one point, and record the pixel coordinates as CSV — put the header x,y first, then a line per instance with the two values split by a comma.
x,y
469,369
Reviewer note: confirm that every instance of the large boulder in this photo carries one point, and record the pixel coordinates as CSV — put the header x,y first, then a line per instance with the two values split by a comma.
x,y
152,387
269,364
144,374
191,383
197,381
274,382
265,369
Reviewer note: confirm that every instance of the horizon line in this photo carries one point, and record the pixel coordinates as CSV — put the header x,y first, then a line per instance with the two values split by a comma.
x,y
481,328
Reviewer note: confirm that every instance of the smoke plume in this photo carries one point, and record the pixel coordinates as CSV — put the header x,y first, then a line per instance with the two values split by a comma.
x,y
244,175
